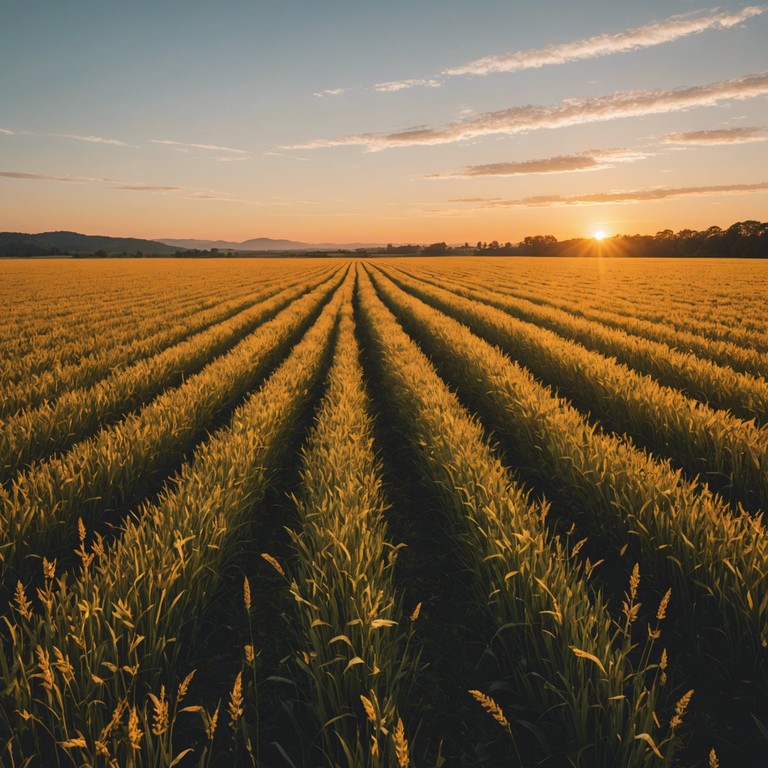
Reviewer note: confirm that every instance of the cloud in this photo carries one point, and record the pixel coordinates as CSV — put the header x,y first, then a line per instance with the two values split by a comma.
x,y
6,132
232,158
569,112
190,193
591,160
45,177
655,33
210,196
330,92
605,198
401,85
272,153
148,188
221,196
92,139
212,147
282,201
744,135
649,35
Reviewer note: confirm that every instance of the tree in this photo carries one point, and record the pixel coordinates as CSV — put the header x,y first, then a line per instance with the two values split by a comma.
x,y
435,249
538,243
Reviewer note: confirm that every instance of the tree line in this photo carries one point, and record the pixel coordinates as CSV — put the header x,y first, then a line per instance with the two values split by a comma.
x,y
744,239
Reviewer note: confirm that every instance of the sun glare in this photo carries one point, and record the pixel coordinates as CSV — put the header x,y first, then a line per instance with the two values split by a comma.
x,y
599,235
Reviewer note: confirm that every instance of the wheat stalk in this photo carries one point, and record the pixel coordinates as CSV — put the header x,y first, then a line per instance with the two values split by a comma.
x,y
135,734
160,713
492,708
401,744
235,706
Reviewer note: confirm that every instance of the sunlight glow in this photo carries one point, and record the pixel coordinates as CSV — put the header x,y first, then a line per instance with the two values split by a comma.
x,y
599,235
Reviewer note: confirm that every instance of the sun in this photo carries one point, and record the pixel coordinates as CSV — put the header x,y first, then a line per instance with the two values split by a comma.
x,y
599,235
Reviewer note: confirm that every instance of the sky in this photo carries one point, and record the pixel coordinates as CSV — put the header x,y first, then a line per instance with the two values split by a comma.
x,y
370,121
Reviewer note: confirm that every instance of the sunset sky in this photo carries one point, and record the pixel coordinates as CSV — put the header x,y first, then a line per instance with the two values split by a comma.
x,y
393,121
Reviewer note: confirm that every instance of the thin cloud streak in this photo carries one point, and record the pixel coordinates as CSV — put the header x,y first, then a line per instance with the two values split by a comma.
x,y
401,85
742,135
148,188
92,139
46,177
622,197
591,160
649,35
655,33
576,111
330,92
189,193
219,196
212,196
212,147
272,153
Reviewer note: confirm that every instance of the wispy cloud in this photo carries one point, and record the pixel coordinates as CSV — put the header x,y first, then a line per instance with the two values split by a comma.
x,y
92,139
401,85
211,196
569,112
188,193
652,34
148,188
591,160
744,135
220,196
330,92
619,197
76,137
9,132
273,153
212,147
655,33
46,177
288,201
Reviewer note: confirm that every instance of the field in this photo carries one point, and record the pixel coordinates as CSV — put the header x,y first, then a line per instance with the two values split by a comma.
x,y
426,512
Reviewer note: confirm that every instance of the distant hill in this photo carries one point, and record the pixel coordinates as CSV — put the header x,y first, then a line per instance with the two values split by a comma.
x,y
266,244
21,244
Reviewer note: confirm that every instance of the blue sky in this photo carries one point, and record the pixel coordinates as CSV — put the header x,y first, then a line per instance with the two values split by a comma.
x,y
296,119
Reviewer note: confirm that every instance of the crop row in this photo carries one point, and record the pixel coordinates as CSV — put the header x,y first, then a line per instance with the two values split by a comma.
x,y
36,337
70,321
123,547
119,465
144,340
733,453
718,386
75,334
726,353
354,664
58,346
714,561
704,299
711,300
133,603
578,682
55,426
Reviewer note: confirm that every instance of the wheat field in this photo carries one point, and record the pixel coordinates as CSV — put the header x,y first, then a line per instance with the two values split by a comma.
x,y
390,512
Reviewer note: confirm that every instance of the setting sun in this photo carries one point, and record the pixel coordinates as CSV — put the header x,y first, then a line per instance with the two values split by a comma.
x,y
599,235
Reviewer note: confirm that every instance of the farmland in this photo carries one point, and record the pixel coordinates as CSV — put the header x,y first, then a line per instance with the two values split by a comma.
x,y
325,512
